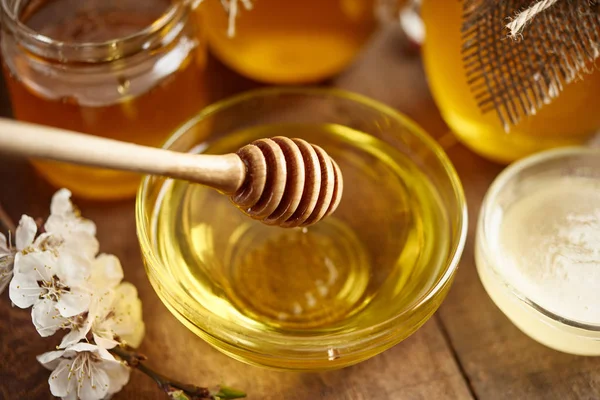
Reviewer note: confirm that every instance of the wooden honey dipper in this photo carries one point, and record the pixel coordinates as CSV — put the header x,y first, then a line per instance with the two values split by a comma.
x,y
279,181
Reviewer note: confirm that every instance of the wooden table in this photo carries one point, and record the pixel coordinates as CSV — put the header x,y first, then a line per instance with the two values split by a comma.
x,y
469,349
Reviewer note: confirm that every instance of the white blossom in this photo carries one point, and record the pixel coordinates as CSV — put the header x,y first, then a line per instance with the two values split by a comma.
x,y
79,326
84,371
116,318
78,234
123,322
60,274
24,240
106,275
52,272
56,285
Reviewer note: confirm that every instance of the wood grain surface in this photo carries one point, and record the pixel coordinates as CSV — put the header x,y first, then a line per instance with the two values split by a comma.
x,y
468,349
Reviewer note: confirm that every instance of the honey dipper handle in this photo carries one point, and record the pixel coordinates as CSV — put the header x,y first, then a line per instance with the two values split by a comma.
x,y
223,172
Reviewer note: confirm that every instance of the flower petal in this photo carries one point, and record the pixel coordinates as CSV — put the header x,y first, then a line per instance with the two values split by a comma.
x,y
24,290
61,203
25,232
74,302
86,227
104,340
47,241
102,304
60,384
118,375
79,347
128,323
41,264
50,359
55,224
102,326
81,243
73,269
79,234
78,331
74,336
105,354
107,272
80,326
46,318
95,385
72,394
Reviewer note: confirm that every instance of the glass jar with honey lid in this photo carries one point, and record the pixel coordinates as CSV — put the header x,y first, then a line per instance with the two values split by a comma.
x,y
123,69
289,42
569,119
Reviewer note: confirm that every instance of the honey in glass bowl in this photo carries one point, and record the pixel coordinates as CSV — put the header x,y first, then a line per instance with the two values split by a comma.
x,y
290,42
572,118
332,294
127,70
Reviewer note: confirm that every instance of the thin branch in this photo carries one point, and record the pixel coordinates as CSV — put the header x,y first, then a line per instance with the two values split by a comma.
x,y
135,360
6,220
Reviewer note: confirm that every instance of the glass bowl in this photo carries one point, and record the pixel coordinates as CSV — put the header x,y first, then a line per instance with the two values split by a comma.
x,y
345,289
541,317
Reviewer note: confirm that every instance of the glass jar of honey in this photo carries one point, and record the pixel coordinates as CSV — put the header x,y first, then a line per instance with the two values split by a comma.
x,y
121,69
290,42
570,119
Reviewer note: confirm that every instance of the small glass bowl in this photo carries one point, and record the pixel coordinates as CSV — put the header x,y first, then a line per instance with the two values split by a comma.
x,y
327,348
539,323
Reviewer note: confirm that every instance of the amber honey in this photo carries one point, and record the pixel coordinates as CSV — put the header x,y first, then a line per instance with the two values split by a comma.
x,y
569,119
137,97
354,284
375,254
289,42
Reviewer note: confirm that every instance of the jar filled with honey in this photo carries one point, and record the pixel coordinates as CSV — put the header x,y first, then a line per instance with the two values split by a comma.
x,y
289,42
570,119
121,69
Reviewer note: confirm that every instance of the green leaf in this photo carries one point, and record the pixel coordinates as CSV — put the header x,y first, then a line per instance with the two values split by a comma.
x,y
226,393
178,395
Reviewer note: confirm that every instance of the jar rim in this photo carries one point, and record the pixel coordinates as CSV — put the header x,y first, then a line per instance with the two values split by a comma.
x,y
352,343
160,32
515,171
